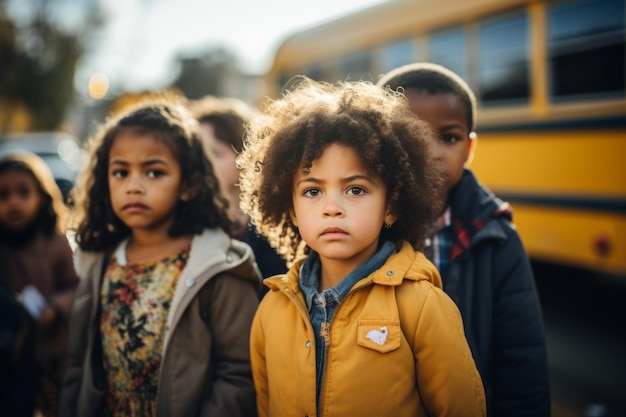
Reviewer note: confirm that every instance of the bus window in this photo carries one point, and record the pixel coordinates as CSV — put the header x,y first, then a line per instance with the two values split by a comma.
x,y
447,48
315,72
283,79
586,47
396,54
503,59
356,66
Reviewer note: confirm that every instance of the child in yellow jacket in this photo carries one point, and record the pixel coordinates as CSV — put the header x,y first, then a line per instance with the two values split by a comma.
x,y
340,179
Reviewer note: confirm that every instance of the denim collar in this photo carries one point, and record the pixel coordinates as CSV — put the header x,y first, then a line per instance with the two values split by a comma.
x,y
310,273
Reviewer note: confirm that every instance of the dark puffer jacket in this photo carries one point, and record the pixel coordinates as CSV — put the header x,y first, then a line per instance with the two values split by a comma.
x,y
490,279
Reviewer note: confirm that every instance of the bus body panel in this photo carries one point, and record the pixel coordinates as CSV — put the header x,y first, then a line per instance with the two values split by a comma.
x,y
556,148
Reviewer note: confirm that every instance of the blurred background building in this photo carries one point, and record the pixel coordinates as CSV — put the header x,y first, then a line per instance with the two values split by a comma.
x,y
64,63
47,82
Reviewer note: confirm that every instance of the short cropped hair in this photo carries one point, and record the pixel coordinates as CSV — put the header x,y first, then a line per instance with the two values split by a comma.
x,y
435,79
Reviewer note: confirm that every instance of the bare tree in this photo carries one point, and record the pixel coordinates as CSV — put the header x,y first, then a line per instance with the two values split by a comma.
x,y
39,54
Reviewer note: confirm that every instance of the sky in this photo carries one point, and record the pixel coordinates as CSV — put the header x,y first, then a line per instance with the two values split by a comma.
x,y
138,47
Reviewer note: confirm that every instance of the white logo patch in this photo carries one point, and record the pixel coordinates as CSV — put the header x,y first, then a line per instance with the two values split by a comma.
x,y
378,336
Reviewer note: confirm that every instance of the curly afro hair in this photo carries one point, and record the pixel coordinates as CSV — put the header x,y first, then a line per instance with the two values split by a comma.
x,y
294,131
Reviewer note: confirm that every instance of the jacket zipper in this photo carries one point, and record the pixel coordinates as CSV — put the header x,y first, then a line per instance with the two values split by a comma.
x,y
325,333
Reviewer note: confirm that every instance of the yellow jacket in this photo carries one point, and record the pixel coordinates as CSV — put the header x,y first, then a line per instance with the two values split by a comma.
x,y
396,348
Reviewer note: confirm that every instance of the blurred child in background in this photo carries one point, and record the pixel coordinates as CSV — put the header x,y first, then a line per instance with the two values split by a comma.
x,y
37,264
478,252
359,326
222,126
162,318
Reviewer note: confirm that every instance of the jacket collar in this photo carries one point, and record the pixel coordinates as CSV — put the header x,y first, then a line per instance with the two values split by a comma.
x,y
472,202
405,264
212,252
473,209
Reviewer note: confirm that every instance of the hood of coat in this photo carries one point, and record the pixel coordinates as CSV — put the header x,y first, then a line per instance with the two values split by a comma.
x,y
209,250
404,264
214,249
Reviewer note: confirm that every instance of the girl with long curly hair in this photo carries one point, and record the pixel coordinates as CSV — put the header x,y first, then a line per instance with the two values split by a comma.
x,y
162,319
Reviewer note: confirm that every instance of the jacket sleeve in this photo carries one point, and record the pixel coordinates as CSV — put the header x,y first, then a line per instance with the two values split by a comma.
x,y
520,383
259,365
447,377
233,303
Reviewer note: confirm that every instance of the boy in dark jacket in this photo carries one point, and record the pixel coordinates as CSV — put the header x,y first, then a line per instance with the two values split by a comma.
x,y
478,252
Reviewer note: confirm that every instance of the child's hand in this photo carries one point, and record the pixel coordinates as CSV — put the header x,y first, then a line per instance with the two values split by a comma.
x,y
47,318
33,301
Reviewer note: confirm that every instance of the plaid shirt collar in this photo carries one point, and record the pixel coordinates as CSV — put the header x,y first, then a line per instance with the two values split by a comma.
x,y
438,244
444,220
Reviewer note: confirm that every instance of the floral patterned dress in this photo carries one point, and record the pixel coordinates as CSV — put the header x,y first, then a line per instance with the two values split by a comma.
x,y
135,300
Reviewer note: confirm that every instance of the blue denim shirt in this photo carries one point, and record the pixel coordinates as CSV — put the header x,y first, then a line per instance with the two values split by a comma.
x,y
322,306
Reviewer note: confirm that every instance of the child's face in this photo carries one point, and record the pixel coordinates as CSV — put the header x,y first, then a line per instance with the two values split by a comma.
x,y
222,157
20,200
446,113
339,208
144,182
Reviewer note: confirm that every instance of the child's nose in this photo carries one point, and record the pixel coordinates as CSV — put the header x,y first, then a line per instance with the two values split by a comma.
x,y
135,185
333,206
13,200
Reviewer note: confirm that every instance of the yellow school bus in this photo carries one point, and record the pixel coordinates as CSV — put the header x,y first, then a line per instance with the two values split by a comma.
x,y
550,79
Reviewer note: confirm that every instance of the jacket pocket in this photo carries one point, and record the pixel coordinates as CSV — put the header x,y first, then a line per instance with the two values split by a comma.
x,y
380,335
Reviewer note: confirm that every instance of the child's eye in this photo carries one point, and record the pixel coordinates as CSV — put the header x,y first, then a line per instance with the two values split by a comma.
x,y
448,138
24,192
155,173
119,173
356,190
312,192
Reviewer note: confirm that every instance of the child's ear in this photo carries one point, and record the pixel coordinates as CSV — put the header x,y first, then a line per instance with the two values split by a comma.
x,y
292,216
471,147
390,219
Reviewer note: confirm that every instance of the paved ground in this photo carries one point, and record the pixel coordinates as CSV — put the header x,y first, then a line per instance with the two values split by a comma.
x,y
585,319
